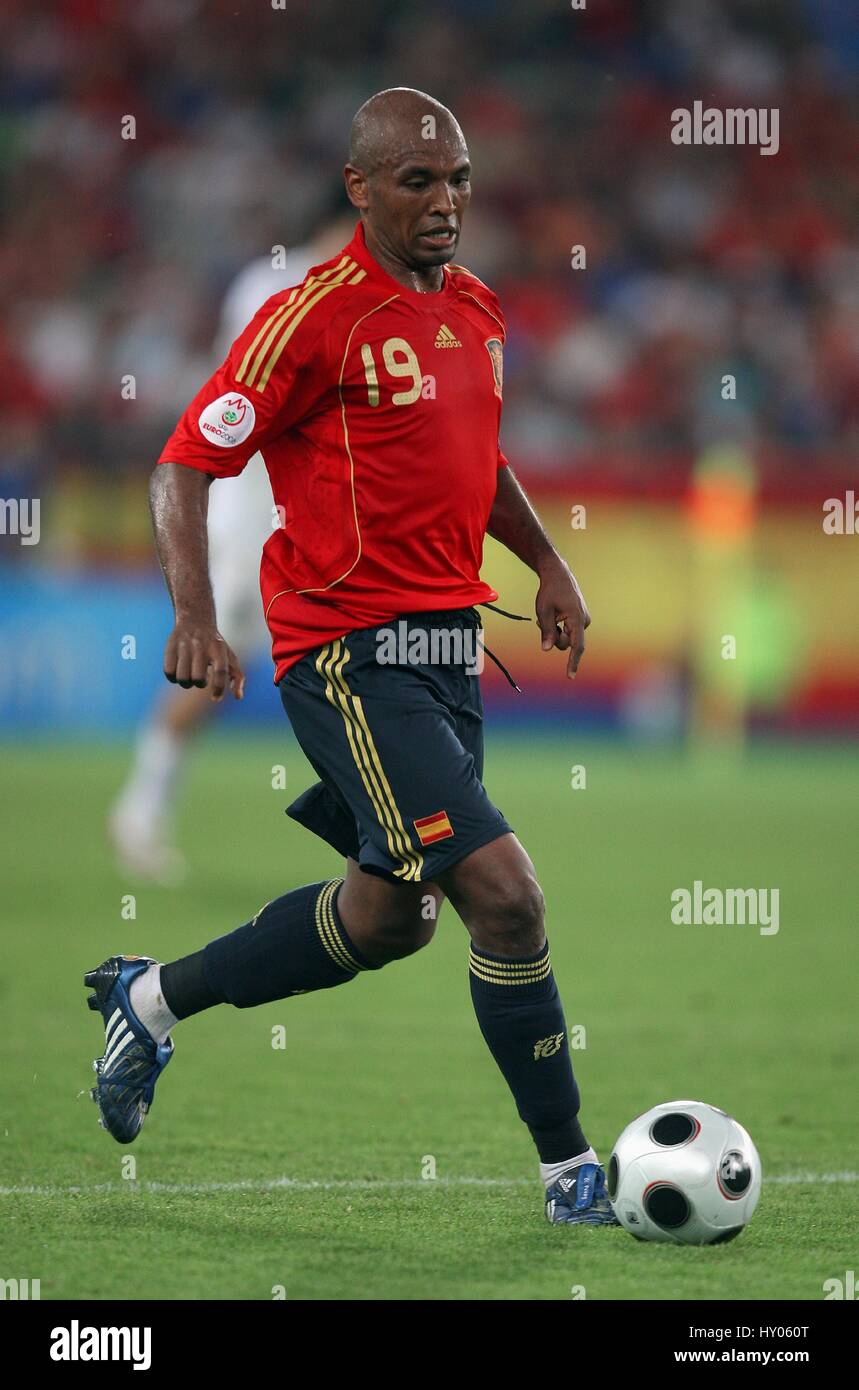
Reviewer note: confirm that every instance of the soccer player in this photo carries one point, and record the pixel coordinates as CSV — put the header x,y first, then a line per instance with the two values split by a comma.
x,y
373,390
239,523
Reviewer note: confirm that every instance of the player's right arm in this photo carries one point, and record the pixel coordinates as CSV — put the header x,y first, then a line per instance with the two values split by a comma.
x,y
270,377
196,653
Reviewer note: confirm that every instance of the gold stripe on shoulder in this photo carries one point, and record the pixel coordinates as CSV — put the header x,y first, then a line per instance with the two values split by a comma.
x,y
270,326
274,323
486,310
464,270
291,321
272,318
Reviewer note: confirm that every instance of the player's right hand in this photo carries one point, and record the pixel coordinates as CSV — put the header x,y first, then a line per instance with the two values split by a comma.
x,y
197,655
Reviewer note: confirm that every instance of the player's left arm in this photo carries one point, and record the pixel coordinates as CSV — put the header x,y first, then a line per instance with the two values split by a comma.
x,y
560,606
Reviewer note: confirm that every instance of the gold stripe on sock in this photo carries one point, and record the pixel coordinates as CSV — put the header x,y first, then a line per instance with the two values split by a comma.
x,y
333,934
328,933
329,938
509,972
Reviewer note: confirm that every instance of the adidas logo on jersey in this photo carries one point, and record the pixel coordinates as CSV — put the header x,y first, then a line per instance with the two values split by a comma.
x,y
446,339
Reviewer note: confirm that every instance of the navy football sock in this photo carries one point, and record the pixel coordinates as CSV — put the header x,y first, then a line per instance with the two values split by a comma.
x,y
520,1016
294,945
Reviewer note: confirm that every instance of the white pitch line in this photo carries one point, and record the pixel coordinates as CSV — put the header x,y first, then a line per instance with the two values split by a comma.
x,y
793,1179
264,1185
345,1184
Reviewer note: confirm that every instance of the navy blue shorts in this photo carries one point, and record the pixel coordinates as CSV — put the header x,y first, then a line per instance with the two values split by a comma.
x,y
391,719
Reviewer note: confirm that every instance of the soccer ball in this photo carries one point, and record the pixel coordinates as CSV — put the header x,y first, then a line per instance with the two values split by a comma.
x,y
684,1172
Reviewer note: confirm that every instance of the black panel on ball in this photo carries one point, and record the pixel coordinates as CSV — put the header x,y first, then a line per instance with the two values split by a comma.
x,y
734,1173
671,1129
667,1207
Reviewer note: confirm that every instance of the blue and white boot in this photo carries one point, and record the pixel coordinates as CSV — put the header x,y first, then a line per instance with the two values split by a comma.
x,y
132,1060
580,1197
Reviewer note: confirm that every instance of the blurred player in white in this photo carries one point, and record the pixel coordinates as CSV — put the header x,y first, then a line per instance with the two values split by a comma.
x,y
240,520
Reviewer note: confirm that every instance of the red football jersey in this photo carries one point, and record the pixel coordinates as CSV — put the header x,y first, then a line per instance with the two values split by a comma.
x,y
376,409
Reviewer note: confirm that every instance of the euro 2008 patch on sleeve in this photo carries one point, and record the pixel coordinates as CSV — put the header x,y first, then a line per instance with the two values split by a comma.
x,y
227,421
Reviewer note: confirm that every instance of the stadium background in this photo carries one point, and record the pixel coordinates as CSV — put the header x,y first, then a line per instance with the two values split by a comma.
x,y
704,518
701,261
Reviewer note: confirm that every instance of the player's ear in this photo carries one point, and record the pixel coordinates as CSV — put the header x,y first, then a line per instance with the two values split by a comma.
x,y
356,186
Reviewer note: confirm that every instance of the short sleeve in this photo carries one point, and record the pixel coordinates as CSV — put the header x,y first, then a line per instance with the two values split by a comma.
x,y
268,381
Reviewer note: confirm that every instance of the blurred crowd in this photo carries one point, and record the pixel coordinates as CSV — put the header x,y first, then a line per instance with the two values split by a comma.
x,y
701,261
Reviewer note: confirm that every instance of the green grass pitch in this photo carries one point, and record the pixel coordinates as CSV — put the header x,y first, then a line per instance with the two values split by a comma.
x,y
377,1077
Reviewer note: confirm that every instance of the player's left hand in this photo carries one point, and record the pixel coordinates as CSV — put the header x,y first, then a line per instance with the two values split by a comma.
x,y
562,612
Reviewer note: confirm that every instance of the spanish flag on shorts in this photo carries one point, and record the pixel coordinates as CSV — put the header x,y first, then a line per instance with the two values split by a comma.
x,y
434,827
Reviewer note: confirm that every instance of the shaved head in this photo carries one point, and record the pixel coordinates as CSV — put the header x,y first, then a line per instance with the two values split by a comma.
x,y
409,176
395,122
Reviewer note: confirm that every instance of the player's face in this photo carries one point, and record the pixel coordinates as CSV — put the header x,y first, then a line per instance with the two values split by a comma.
x,y
415,205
